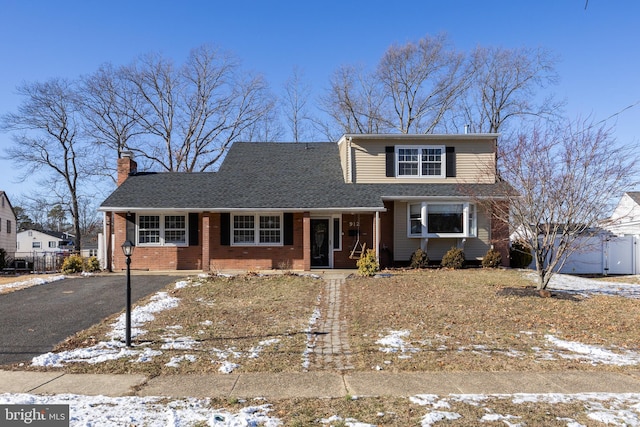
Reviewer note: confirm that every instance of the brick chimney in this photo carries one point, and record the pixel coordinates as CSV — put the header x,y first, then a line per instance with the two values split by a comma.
x,y
126,166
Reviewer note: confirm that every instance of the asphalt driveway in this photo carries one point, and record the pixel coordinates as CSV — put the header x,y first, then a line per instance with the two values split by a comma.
x,y
34,320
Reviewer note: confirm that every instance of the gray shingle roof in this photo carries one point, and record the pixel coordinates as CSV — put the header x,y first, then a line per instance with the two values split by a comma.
x,y
271,176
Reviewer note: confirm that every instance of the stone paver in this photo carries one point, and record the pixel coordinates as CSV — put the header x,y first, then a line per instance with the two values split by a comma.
x,y
332,349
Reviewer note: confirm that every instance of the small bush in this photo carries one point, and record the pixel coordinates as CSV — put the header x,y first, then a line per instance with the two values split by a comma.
x,y
72,264
91,264
419,259
492,259
520,255
454,258
367,264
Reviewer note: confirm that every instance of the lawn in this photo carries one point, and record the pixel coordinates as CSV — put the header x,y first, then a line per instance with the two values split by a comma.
x,y
431,320
481,320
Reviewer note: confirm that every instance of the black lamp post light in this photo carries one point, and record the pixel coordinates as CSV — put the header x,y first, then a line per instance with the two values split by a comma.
x,y
127,248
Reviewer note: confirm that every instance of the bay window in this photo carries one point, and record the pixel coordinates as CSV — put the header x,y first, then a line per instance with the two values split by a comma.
x,y
427,219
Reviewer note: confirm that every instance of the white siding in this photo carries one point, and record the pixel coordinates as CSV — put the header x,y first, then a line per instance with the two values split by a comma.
x,y
625,218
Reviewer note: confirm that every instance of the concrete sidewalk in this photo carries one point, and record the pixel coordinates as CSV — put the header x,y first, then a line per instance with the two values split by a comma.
x,y
320,384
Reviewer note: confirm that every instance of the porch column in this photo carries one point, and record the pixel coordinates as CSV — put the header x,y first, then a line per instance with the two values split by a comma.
x,y
206,242
376,233
108,240
306,240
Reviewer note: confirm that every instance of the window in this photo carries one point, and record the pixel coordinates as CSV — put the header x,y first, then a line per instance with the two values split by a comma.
x,y
441,220
445,218
149,229
175,229
8,227
423,161
270,229
244,229
53,244
162,230
35,245
257,230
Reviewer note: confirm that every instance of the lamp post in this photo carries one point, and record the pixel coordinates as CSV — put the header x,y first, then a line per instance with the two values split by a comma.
x,y
127,248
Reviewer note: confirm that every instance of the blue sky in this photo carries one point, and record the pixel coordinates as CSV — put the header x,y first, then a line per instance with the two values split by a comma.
x,y
598,47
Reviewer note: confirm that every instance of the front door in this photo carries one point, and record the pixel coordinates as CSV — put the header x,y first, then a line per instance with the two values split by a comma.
x,y
319,243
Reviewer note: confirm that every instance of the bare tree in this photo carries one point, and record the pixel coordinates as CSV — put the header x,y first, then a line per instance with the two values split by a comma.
x,y
428,86
505,85
46,135
108,110
420,82
567,177
294,104
192,114
411,90
353,102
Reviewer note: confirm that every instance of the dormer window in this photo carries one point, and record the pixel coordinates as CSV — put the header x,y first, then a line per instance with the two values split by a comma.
x,y
420,161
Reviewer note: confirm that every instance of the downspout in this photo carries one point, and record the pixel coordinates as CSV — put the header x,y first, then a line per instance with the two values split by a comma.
x,y
377,234
102,247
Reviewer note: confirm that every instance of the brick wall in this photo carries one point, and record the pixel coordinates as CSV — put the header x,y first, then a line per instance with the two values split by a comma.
x,y
256,257
153,257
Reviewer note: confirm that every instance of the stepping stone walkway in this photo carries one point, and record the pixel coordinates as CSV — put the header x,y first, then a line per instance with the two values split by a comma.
x,y
331,349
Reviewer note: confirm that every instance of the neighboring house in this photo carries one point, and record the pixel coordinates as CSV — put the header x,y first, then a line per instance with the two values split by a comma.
x,y
625,219
89,249
37,243
317,205
611,248
7,225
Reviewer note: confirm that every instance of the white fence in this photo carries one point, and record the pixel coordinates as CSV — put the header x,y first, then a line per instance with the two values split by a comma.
x,y
604,254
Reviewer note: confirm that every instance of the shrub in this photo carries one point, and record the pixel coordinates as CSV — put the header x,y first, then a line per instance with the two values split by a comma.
x,y
367,264
72,264
520,255
419,259
454,258
3,258
492,259
91,264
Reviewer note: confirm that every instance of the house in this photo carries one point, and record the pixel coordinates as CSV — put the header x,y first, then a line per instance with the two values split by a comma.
x,y
317,205
37,243
609,248
625,219
7,225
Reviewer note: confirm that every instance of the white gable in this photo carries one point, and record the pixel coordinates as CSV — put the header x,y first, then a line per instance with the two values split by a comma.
x,y
626,217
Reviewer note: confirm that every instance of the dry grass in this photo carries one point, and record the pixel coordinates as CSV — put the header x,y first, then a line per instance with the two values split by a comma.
x,y
462,320
475,319
7,279
401,412
223,315
457,320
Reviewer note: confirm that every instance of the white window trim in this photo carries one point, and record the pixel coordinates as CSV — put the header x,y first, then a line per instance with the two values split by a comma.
x,y
162,228
470,228
443,161
256,229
